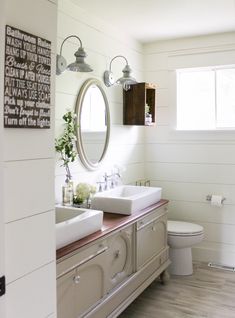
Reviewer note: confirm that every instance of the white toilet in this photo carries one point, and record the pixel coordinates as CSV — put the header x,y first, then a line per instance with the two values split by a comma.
x,y
181,237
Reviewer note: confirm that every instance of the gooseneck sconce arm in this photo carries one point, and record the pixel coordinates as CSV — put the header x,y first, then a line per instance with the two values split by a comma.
x,y
126,80
79,65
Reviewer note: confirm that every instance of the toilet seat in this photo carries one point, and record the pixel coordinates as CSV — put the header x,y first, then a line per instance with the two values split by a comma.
x,y
178,228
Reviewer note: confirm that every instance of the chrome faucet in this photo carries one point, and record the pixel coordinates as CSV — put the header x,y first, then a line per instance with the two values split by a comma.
x,y
106,177
111,181
100,188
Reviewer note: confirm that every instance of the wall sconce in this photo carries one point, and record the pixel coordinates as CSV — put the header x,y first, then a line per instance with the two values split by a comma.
x,y
126,80
78,66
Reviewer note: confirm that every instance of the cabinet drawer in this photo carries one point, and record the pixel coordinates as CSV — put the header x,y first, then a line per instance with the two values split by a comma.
x,y
151,217
81,257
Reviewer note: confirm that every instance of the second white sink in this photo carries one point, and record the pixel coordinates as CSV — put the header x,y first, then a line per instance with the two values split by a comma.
x,y
72,224
126,199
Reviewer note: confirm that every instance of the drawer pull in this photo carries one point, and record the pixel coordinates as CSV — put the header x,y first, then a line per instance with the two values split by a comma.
x,y
85,260
76,279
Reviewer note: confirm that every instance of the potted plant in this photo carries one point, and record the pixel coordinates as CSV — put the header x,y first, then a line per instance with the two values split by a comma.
x,y
83,193
65,146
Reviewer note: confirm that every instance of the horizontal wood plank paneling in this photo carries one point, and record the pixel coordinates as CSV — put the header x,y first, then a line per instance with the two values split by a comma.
x,y
162,97
195,192
160,78
30,236
114,36
220,255
191,153
33,295
162,116
219,233
202,59
126,145
189,165
188,172
202,212
63,103
28,188
27,185
123,154
31,23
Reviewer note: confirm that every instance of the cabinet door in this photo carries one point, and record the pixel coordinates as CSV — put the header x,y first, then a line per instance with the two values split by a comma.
x,y
120,260
82,288
151,240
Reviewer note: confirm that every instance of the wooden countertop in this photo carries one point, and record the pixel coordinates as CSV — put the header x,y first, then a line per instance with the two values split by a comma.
x,y
111,222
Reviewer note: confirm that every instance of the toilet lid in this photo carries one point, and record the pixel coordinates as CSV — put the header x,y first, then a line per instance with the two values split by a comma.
x,y
178,227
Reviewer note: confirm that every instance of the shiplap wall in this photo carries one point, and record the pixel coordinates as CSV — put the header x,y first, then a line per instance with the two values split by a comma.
x,y
2,225
101,42
190,165
27,186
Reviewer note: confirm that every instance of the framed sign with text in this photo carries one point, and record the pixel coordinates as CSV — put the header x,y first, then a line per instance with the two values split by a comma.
x,y
27,80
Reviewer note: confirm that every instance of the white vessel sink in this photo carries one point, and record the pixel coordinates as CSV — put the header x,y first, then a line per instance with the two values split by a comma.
x,y
126,199
73,224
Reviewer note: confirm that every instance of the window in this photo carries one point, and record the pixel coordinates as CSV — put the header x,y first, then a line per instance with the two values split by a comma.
x,y
206,98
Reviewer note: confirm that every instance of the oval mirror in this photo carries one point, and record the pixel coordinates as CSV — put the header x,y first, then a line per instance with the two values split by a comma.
x,y
93,117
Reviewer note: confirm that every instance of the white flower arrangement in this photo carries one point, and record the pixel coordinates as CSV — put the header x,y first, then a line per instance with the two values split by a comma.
x,y
83,192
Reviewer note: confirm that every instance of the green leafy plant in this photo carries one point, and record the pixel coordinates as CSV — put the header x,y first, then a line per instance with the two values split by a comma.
x,y
65,145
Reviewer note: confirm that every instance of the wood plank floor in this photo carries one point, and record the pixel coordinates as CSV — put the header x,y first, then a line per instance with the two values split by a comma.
x,y
207,293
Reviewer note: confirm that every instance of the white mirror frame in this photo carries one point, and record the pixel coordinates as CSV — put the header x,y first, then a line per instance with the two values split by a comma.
x,y
78,109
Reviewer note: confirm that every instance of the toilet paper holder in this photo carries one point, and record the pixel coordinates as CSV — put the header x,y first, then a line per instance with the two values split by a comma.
x,y
209,196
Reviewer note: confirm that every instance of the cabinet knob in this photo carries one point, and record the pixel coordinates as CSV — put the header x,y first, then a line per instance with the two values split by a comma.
x,y
76,279
116,254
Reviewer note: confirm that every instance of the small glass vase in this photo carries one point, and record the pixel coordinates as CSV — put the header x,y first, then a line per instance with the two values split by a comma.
x,y
67,193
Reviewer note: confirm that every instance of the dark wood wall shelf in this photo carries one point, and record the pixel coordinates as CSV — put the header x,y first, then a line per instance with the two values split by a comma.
x,y
134,102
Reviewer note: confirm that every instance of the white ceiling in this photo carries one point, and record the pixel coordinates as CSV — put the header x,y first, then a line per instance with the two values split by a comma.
x,y
150,20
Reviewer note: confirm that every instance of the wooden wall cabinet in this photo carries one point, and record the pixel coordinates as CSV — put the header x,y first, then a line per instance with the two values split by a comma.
x,y
134,102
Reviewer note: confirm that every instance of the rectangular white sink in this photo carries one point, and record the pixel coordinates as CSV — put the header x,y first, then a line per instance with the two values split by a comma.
x,y
126,199
72,224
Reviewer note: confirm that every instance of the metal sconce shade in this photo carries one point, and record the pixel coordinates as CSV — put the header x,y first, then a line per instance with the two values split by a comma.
x,y
126,80
78,66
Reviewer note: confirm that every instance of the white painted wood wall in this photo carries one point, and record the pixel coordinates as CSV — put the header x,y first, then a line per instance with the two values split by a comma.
x,y
191,165
27,186
101,42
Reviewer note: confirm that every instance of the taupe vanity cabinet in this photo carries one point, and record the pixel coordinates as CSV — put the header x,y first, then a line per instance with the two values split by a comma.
x,y
99,276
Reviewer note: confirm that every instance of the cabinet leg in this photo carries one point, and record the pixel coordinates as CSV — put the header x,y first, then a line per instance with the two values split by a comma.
x,y
164,277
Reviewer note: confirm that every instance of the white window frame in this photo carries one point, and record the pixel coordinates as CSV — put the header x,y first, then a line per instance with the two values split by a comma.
x,y
198,69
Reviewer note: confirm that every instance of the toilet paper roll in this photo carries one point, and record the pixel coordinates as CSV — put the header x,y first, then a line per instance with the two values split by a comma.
x,y
216,200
